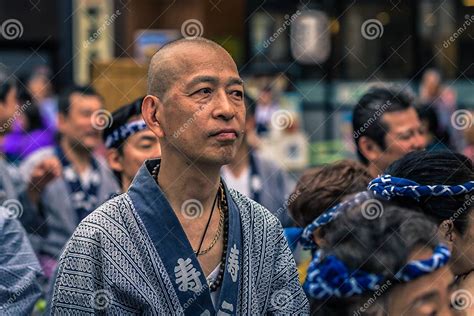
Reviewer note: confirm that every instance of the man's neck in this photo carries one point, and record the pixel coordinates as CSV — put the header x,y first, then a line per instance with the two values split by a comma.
x,y
78,157
241,160
181,180
125,183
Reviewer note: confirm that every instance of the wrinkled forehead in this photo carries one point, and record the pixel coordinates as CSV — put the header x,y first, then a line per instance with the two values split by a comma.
x,y
200,60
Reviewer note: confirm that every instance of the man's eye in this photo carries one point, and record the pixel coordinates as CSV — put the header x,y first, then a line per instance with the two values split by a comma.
x,y
237,94
204,91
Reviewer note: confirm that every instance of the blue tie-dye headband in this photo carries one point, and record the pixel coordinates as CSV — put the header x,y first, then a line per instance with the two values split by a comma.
x,y
123,132
329,215
389,187
329,277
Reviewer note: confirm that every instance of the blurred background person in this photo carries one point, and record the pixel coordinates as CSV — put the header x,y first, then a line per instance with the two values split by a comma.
x,y
318,190
85,181
436,137
260,179
39,85
264,110
390,263
386,126
443,100
129,143
31,130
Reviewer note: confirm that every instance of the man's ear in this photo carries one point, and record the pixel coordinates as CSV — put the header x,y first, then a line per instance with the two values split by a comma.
x,y
151,112
447,232
369,149
114,159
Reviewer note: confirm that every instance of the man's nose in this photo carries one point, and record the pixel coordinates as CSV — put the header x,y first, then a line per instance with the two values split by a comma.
x,y
223,108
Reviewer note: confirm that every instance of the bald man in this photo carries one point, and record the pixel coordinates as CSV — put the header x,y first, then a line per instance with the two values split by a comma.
x,y
179,241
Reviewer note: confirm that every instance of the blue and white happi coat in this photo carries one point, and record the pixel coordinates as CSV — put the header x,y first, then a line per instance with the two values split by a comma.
x,y
131,256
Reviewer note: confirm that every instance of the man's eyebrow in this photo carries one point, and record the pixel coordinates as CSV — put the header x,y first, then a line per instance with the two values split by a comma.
x,y
429,296
147,137
201,79
233,81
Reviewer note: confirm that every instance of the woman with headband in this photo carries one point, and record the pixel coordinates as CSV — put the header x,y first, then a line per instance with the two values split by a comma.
x,y
387,264
441,185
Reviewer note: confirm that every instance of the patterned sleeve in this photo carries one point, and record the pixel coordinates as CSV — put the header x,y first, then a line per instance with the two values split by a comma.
x,y
78,286
19,270
287,296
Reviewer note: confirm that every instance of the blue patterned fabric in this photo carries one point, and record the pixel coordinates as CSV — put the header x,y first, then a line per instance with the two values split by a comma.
x,y
329,277
83,200
329,215
415,269
130,255
19,270
389,187
124,132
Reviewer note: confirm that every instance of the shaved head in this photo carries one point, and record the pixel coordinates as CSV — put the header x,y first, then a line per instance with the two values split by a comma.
x,y
170,62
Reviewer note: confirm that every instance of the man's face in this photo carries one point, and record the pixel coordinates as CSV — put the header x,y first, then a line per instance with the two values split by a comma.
x,y
203,113
463,252
7,110
77,125
136,149
427,295
404,134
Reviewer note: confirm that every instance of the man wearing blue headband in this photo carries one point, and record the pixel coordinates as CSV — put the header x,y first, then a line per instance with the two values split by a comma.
x,y
179,242
378,259
441,185
129,143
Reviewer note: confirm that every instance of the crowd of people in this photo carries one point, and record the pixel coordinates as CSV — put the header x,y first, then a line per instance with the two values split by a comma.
x,y
172,210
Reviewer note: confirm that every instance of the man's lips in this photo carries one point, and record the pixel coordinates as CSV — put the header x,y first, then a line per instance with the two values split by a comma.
x,y
225,134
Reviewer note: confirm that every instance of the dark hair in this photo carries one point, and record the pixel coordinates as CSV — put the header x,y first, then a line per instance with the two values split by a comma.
x,y
322,187
32,111
5,87
64,101
367,117
120,117
379,245
427,112
437,167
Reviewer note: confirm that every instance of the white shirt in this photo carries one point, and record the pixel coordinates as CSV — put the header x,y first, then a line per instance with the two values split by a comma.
x,y
239,183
